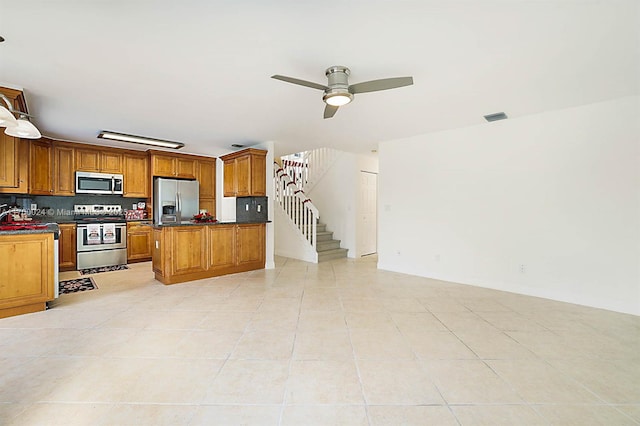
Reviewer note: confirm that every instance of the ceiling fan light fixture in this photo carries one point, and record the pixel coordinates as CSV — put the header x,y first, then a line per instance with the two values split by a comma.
x,y
122,137
337,97
24,129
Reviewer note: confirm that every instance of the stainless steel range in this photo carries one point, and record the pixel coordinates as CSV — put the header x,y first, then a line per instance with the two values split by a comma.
x,y
101,235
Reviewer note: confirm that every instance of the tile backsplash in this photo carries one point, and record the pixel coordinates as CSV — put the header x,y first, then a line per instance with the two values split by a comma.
x,y
60,207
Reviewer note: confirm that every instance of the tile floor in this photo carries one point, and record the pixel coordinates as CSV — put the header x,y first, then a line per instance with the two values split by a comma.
x,y
304,344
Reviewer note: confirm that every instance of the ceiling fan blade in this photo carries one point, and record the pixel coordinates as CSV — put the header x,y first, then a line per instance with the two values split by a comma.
x,y
330,111
382,84
300,82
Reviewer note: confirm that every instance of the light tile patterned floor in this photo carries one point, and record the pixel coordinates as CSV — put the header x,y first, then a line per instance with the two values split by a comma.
x,y
304,344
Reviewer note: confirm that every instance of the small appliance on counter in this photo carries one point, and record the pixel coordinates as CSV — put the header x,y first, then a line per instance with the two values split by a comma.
x,y
251,209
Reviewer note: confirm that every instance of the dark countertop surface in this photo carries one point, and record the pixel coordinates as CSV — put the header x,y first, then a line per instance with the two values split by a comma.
x,y
191,223
51,227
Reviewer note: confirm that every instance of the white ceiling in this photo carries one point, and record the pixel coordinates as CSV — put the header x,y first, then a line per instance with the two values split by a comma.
x,y
198,71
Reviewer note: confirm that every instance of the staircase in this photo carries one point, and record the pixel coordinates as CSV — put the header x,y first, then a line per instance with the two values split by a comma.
x,y
302,216
326,247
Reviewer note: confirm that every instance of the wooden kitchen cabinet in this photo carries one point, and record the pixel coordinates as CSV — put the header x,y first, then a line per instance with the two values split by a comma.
x,y
67,247
136,176
222,246
139,238
188,255
22,164
26,273
40,167
51,168
173,166
99,161
245,173
251,245
63,170
8,160
192,252
207,180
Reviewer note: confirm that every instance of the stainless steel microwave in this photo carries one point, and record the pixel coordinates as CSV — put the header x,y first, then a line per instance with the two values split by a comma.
x,y
98,183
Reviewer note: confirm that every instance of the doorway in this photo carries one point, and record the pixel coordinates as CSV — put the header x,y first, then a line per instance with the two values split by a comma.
x,y
368,240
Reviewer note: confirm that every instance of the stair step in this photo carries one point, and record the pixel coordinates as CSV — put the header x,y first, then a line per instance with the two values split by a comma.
x,y
324,236
332,254
321,227
327,245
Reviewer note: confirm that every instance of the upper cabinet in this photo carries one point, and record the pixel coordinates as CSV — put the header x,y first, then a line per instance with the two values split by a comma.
x,y
63,169
51,168
174,166
136,175
245,173
10,158
207,180
40,167
95,160
8,161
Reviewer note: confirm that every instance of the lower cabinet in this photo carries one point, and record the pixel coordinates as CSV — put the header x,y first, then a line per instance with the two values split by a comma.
x,y
26,273
67,247
192,252
188,256
222,246
139,238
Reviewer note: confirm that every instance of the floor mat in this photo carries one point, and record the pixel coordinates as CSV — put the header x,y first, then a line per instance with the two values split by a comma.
x,y
76,285
102,269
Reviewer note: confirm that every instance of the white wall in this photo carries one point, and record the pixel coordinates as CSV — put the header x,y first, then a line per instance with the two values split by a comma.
x,y
336,197
557,192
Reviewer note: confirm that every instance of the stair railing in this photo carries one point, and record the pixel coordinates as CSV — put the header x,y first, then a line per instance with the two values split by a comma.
x,y
296,205
305,169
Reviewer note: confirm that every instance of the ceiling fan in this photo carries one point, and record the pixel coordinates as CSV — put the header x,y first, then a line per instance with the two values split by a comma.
x,y
339,92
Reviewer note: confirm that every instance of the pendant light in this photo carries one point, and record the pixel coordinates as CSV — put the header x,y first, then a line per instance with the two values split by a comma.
x,y
20,128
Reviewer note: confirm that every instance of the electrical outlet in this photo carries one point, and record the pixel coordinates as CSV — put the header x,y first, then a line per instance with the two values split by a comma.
x,y
436,258
522,269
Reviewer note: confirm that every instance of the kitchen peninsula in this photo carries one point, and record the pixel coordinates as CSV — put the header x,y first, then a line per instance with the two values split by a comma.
x,y
192,251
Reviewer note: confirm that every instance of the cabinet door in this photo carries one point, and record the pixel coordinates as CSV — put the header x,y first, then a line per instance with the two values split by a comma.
x,y
243,176
110,162
258,175
207,178
40,182
63,171
251,245
187,255
229,176
222,246
163,165
8,157
136,176
88,160
29,281
186,168
138,242
67,247
22,161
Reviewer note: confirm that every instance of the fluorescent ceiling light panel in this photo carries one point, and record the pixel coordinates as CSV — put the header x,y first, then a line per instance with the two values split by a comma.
x,y
495,117
122,137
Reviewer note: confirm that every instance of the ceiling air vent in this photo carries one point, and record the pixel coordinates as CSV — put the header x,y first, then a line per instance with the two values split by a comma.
x,y
495,117
237,145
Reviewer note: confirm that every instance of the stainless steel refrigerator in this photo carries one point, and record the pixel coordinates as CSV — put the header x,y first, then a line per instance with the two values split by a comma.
x,y
174,200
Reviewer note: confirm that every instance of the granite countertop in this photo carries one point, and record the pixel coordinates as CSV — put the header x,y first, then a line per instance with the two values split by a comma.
x,y
51,227
191,223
